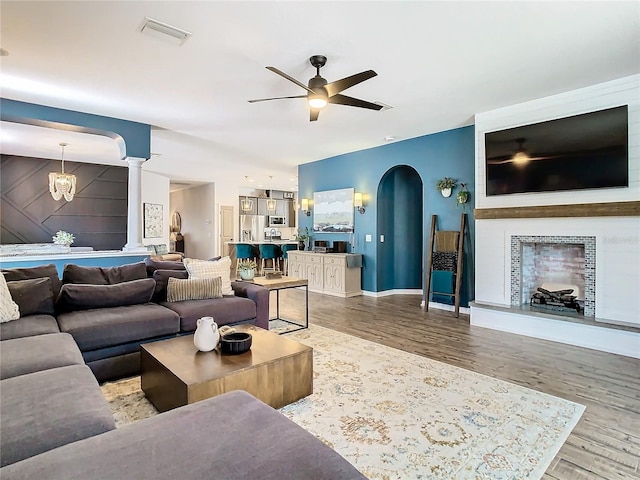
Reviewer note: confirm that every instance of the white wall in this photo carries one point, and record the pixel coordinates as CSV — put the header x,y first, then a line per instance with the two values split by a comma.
x,y
155,189
199,219
617,238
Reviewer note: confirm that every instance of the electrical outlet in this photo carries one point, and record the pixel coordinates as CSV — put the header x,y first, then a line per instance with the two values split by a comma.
x,y
367,238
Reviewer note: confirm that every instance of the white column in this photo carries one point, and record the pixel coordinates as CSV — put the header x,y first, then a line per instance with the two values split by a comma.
x,y
134,216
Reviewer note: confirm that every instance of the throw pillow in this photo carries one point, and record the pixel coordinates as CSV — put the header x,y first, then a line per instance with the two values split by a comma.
x,y
207,269
34,297
8,308
193,289
27,273
104,275
151,249
85,297
162,280
162,249
153,265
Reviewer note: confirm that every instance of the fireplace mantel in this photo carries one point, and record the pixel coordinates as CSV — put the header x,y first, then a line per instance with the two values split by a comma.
x,y
609,209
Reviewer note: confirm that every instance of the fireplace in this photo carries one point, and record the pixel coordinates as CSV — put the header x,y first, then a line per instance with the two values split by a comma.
x,y
556,264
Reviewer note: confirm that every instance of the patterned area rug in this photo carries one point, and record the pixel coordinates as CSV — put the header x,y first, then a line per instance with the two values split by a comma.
x,y
395,415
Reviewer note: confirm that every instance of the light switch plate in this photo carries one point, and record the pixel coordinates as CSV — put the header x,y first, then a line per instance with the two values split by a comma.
x,y
367,238
381,238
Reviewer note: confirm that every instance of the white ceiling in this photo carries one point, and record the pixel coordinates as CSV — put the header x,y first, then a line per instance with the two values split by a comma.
x,y
438,64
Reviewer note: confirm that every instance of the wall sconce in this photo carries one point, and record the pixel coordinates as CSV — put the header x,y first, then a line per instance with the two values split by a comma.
x,y
304,206
357,202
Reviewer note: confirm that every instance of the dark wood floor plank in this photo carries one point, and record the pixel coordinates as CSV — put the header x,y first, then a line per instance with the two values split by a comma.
x,y
605,445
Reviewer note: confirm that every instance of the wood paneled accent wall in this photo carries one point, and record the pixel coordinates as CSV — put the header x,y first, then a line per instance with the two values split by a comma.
x,y
97,215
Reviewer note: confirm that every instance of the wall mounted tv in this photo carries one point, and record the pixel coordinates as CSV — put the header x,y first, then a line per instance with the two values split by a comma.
x,y
572,153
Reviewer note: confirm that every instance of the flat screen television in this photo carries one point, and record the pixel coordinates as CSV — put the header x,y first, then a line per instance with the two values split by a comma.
x,y
572,153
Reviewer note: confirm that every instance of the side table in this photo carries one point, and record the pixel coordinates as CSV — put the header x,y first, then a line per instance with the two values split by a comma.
x,y
283,283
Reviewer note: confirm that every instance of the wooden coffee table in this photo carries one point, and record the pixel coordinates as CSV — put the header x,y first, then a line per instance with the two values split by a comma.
x,y
276,370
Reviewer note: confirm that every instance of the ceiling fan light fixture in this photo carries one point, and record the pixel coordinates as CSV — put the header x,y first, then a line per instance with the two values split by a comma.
x,y
317,101
520,158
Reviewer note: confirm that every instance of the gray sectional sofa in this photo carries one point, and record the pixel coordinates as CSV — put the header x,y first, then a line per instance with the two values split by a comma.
x,y
56,424
111,311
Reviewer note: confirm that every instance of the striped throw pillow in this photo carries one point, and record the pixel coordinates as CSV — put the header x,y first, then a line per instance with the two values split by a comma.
x,y
193,289
209,269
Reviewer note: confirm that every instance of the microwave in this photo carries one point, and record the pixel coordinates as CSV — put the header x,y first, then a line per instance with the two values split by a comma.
x,y
277,221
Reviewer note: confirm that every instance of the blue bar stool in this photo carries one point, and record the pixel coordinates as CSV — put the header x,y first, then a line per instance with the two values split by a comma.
x,y
285,262
244,251
269,252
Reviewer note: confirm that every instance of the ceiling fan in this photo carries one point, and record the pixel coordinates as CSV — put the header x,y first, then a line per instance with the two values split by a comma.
x,y
319,92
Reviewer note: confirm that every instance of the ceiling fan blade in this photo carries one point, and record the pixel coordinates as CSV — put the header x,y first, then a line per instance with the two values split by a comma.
x,y
274,98
291,79
347,82
353,102
313,115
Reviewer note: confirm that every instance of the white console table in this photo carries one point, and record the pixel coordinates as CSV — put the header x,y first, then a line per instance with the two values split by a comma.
x,y
336,274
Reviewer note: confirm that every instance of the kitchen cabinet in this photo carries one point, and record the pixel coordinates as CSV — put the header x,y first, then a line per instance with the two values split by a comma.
x,y
327,273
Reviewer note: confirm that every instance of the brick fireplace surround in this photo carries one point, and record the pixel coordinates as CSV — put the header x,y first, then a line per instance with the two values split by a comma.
x,y
605,220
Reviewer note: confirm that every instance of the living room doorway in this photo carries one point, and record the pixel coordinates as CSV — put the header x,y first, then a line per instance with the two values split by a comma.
x,y
400,222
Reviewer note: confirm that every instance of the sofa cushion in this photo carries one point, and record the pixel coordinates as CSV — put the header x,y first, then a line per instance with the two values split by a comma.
x,y
103,275
84,297
9,309
153,265
105,327
206,269
34,354
230,436
194,289
44,410
33,296
28,326
224,311
27,273
162,280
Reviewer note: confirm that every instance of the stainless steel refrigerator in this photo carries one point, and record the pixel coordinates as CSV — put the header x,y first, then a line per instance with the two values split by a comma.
x,y
252,228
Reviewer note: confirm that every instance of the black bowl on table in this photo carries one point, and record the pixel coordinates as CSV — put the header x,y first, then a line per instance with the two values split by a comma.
x,y
235,343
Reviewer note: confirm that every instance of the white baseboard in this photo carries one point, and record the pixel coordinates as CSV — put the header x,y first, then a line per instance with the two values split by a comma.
x,y
447,307
387,293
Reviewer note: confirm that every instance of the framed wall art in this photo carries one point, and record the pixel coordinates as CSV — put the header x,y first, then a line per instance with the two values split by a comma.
x,y
333,211
152,220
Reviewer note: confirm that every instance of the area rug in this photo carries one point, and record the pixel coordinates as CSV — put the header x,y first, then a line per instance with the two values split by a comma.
x,y
395,415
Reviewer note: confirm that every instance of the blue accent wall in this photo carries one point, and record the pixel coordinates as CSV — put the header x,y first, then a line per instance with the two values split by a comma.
x,y
445,154
135,136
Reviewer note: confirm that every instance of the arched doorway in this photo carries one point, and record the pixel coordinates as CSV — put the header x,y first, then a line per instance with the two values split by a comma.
x,y
400,221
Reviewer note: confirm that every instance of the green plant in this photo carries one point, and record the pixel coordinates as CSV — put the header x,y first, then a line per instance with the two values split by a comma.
x,y
63,238
445,183
302,234
247,264
463,195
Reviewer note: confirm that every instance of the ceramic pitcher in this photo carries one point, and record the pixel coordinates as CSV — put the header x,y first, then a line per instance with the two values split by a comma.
x,y
207,336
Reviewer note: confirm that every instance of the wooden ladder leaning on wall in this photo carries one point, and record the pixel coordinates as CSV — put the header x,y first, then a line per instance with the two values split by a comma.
x,y
446,241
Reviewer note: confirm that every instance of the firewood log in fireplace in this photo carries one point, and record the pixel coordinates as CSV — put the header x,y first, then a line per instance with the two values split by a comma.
x,y
557,298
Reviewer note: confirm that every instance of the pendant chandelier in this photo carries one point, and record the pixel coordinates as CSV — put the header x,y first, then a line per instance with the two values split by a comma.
x,y
246,205
62,184
271,203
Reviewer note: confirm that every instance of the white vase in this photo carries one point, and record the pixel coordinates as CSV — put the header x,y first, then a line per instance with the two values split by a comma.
x,y
207,336
446,192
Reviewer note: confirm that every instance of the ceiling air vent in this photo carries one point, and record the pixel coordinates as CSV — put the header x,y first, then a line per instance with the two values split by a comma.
x,y
155,27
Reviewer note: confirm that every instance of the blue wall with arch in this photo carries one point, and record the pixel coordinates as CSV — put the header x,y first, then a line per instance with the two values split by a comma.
x,y
445,154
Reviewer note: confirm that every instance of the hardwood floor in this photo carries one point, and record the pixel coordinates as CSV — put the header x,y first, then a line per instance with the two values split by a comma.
x,y
606,442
